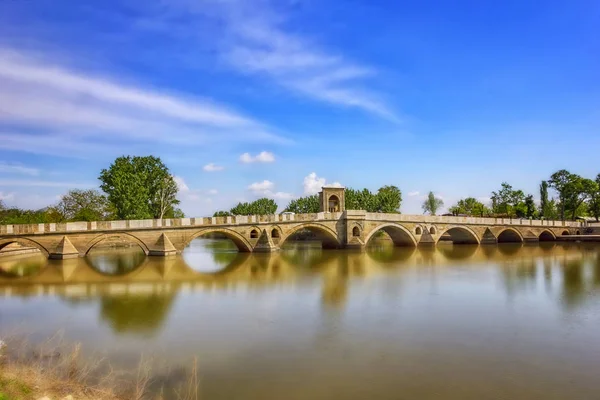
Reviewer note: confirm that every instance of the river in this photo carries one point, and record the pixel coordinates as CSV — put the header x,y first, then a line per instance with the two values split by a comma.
x,y
509,321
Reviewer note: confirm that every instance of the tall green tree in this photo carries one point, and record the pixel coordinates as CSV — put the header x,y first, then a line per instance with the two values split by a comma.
x,y
508,201
432,204
304,205
594,203
84,205
530,208
544,201
471,207
139,187
562,181
388,199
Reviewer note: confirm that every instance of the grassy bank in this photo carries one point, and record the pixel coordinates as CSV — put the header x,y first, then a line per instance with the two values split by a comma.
x,y
55,371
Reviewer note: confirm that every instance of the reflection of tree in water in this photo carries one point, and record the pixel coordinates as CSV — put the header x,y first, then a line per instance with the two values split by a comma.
x,y
136,314
388,254
22,266
116,261
574,290
458,252
307,255
509,249
223,250
518,275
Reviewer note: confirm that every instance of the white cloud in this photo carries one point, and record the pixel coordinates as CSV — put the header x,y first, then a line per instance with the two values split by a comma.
x,y
7,196
259,187
262,157
313,184
413,194
213,192
213,167
19,169
265,189
181,185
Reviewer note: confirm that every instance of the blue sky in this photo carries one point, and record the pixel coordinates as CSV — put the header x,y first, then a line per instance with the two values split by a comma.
x,y
245,98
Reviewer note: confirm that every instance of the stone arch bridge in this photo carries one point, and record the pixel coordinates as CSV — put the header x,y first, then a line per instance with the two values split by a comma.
x,y
347,229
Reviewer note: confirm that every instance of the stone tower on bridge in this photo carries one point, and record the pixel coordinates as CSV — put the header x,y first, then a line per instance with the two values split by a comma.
x,y
332,199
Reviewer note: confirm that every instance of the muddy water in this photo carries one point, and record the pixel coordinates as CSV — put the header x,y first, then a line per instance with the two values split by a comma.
x,y
452,322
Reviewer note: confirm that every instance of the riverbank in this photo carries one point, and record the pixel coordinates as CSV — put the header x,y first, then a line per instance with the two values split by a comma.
x,y
51,371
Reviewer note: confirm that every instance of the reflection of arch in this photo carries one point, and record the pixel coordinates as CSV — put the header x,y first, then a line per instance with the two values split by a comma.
x,y
547,236
510,235
461,235
254,234
399,234
333,203
458,252
390,255
355,231
122,264
239,240
432,230
328,237
24,242
418,231
105,236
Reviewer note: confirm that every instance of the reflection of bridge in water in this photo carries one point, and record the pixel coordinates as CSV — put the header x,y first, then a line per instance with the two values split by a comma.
x,y
78,278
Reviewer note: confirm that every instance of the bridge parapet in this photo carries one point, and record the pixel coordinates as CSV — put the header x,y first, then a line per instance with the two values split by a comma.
x,y
151,224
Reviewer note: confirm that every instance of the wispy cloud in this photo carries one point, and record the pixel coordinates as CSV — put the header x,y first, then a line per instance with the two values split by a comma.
x,y
413,194
40,94
255,40
18,169
213,167
262,157
28,183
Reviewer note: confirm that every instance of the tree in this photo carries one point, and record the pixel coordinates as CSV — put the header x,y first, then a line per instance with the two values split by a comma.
x,y
562,182
594,203
388,199
432,204
471,207
83,205
530,209
509,202
544,202
221,214
304,205
139,187
263,206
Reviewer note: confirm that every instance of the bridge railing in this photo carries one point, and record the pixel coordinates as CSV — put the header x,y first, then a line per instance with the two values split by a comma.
x,y
68,227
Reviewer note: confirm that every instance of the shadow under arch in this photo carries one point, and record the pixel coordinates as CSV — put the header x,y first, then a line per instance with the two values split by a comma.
x,y
510,235
243,245
24,242
460,235
327,236
399,234
121,235
547,236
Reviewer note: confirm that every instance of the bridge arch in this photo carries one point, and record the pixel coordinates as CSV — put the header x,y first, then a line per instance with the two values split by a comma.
x,y
460,235
241,242
510,235
547,236
24,242
399,234
124,235
329,236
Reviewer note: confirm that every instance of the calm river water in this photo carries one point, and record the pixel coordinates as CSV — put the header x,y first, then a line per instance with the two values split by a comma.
x,y
452,322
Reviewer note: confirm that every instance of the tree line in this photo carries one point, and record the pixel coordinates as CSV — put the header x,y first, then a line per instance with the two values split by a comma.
x,y
131,188
577,197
